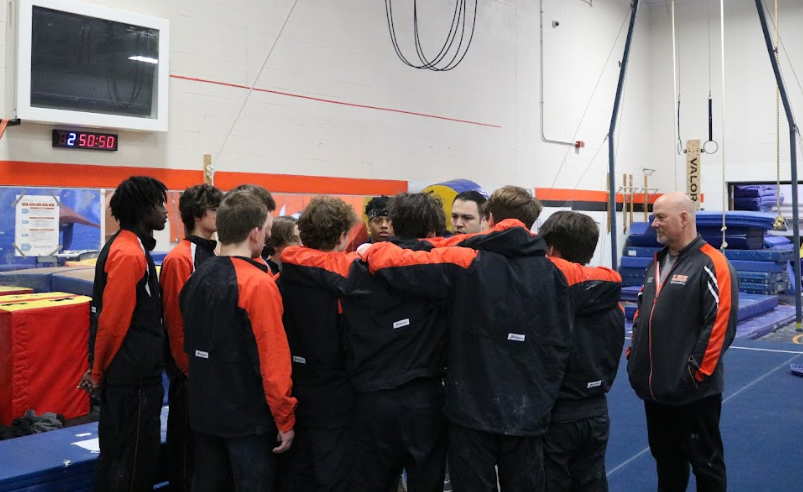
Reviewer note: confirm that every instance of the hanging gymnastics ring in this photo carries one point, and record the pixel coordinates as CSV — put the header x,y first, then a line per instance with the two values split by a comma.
x,y
705,147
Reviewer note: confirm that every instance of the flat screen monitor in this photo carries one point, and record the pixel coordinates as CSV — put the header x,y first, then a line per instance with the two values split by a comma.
x,y
88,65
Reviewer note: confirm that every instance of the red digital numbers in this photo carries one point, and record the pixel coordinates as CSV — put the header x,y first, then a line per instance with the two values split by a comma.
x,y
84,140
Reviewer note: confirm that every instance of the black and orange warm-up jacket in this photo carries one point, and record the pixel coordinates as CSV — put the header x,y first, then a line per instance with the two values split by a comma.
x,y
189,254
511,316
126,341
684,326
237,348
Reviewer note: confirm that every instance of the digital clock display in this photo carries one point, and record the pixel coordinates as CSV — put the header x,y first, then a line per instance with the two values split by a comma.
x,y
67,139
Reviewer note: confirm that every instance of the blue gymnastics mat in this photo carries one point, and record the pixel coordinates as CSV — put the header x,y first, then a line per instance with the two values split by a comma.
x,y
734,219
642,235
750,306
763,277
51,461
639,262
758,266
777,242
630,293
79,282
767,254
761,398
766,323
38,279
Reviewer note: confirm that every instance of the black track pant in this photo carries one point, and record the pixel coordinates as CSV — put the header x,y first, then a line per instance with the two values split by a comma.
x,y
179,445
242,464
687,435
475,456
129,433
319,461
397,429
574,455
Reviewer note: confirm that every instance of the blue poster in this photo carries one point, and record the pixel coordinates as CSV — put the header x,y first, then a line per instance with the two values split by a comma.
x,y
79,220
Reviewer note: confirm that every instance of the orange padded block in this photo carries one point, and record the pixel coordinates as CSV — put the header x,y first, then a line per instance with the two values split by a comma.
x,y
43,353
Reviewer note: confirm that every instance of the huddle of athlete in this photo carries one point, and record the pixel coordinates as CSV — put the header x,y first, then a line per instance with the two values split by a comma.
x,y
314,369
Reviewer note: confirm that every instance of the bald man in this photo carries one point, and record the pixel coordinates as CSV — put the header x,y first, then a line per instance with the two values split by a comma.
x,y
685,322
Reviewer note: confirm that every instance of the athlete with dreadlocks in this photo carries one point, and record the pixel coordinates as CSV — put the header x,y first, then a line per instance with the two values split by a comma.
x,y
127,341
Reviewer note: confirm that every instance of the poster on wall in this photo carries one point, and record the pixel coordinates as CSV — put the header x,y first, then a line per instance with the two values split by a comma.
x,y
79,217
36,225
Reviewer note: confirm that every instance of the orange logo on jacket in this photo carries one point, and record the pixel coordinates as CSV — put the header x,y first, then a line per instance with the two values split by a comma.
x,y
679,279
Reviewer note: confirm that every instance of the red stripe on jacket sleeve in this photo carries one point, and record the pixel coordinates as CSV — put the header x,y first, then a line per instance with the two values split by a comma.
x,y
125,268
176,270
714,348
333,261
260,298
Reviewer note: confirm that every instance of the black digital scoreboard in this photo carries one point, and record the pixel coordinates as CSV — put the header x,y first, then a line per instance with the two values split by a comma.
x,y
70,139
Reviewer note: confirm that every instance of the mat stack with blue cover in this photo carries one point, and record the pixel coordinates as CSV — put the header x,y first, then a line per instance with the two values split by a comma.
x,y
757,198
760,260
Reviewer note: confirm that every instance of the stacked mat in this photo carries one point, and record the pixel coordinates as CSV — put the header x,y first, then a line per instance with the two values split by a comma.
x,y
43,339
53,461
38,279
759,198
760,261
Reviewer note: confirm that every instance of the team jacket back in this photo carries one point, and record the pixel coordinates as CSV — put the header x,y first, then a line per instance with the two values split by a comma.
x,y
239,361
391,337
684,326
314,330
599,336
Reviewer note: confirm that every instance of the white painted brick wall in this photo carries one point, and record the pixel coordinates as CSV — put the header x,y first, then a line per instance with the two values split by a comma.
x,y
339,50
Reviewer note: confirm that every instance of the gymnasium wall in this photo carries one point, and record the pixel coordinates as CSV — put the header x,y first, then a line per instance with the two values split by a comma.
x,y
750,142
334,101
308,114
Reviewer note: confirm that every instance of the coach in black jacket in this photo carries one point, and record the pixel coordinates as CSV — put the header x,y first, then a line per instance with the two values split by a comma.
x,y
511,314
578,433
685,322
395,355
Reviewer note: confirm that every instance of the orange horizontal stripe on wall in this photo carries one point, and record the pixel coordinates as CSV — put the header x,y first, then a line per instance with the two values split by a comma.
x,y
564,195
20,173
289,183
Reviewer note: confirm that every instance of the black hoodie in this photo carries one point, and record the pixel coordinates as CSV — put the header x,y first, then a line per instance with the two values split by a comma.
x,y
511,313
390,337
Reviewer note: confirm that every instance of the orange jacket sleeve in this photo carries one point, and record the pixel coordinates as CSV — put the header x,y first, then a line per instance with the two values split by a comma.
x,y
264,307
124,271
175,272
